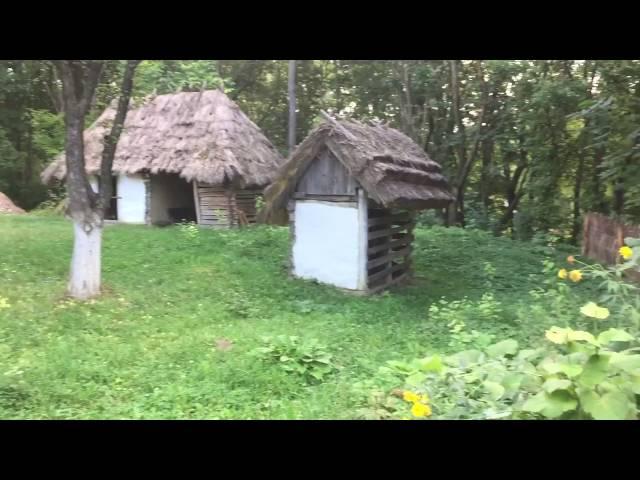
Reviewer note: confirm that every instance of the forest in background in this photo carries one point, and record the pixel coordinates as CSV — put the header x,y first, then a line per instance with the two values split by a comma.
x,y
528,146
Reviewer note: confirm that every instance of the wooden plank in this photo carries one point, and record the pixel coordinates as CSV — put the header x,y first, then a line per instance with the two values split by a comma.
x,y
378,275
196,200
403,217
387,258
325,198
395,281
325,175
386,232
378,248
405,240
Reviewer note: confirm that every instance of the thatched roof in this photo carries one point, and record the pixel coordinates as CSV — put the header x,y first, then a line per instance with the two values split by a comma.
x,y
390,166
199,135
7,206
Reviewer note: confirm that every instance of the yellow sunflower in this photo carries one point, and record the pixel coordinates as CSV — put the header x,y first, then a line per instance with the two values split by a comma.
x,y
575,275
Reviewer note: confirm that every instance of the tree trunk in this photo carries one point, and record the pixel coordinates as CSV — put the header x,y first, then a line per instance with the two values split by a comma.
x,y
598,191
292,106
577,191
84,281
79,81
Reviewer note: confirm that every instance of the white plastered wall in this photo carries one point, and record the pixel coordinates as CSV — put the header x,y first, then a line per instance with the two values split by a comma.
x,y
93,181
327,243
132,199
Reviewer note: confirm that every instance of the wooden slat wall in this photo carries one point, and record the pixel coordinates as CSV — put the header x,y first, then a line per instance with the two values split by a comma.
x,y
326,176
389,247
222,207
603,236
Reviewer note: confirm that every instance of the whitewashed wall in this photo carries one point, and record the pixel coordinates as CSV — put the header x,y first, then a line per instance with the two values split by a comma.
x,y
132,202
327,243
93,181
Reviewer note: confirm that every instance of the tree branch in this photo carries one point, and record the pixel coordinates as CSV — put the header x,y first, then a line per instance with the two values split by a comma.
x,y
111,139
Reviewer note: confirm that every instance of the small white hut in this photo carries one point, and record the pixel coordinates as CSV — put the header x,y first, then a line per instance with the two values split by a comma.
x,y
351,191
184,156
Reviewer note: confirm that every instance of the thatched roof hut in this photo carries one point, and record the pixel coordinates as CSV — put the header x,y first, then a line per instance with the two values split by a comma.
x,y
200,137
392,168
351,191
7,206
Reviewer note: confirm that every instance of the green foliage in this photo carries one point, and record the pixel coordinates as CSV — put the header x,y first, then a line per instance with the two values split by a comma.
x,y
169,76
307,358
189,231
579,377
147,347
456,313
48,132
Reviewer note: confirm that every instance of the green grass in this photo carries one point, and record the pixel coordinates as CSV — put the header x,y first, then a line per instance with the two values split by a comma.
x,y
146,348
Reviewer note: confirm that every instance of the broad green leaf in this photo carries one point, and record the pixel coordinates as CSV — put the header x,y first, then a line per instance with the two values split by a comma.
x,y
416,379
535,403
626,362
464,358
579,335
558,403
512,381
527,353
635,384
553,384
495,389
595,370
614,335
500,349
570,370
432,364
550,405
632,242
557,335
594,311
550,365
610,406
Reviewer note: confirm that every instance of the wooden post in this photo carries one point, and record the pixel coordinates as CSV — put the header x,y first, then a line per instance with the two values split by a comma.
x,y
585,235
363,238
196,200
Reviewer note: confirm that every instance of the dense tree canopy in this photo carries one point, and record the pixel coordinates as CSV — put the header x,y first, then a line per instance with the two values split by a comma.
x,y
528,146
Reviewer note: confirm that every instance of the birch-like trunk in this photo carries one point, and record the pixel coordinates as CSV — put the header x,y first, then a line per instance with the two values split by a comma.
x,y
84,281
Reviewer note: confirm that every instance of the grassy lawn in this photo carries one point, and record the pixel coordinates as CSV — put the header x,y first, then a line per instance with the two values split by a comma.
x,y
147,348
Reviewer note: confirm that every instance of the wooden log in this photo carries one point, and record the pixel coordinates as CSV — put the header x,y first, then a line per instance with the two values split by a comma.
x,y
387,258
386,232
389,220
196,200
384,286
406,240
324,198
374,277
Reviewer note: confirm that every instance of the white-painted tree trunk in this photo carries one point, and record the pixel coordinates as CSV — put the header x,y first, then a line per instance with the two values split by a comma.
x,y
84,281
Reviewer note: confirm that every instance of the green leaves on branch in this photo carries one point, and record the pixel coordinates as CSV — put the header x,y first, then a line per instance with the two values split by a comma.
x,y
306,358
575,376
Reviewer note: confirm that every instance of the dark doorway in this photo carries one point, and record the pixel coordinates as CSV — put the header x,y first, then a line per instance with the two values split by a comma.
x,y
171,199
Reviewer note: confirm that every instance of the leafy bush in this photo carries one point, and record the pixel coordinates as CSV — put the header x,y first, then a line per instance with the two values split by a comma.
x,y
578,377
308,358
457,313
189,231
574,375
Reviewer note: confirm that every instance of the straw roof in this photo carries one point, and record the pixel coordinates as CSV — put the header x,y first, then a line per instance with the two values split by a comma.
x,y
7,206
202,136
390,166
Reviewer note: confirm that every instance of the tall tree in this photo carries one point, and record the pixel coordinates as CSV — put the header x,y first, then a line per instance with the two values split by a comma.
x,y
292,106
86,208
